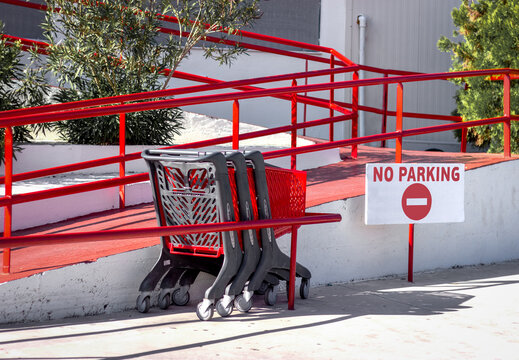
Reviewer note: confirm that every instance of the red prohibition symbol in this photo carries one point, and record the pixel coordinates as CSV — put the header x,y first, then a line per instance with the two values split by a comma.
x,y
416,201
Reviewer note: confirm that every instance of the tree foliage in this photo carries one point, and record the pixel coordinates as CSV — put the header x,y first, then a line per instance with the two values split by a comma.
x,y
487,37
21,85
102,49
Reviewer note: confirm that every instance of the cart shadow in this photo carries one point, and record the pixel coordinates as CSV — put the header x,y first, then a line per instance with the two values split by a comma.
x,y
341,301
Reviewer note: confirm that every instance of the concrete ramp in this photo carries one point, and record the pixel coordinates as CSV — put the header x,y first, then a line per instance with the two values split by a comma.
x,y
94,278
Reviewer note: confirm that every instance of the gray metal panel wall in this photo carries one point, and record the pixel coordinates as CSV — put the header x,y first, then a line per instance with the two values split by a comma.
x,y
22,22
402,34
291,19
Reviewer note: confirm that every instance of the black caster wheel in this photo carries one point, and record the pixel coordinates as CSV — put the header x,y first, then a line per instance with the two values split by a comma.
x,y
204,314
179,298
264,286
270,296
304,288
223,310
143,303
164,300
242,305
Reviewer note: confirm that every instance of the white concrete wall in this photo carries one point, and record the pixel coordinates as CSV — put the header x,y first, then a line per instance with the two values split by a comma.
x,y
353,251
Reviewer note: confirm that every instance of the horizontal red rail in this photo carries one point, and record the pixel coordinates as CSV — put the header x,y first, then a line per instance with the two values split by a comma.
x,y
204,143
124,234
405,114
73,189
168,103
246,34
213,84
385,136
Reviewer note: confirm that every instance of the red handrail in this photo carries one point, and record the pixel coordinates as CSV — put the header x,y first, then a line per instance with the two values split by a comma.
x,y
124,103
125,234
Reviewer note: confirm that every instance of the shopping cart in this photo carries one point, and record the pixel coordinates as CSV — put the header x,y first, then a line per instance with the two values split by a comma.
x,y
189,188
195,187
279,193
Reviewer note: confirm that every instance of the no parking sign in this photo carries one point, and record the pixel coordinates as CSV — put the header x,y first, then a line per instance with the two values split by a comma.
x,y
414,193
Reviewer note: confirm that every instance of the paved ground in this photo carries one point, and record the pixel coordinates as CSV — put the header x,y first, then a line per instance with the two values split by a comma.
x,y
467,313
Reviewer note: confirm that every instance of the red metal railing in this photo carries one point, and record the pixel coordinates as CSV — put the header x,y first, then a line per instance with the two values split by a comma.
x,y
247,89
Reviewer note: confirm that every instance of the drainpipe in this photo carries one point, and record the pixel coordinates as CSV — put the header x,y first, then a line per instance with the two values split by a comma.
x,y
362,21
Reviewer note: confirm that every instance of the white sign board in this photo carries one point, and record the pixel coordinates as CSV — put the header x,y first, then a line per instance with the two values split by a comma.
x,y
414,193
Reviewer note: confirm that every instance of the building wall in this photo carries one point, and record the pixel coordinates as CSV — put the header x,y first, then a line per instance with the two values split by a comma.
x,y
22,22
400,34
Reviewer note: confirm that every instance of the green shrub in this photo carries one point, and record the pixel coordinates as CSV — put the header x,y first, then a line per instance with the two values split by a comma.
x,y
489,41
102,49
20,86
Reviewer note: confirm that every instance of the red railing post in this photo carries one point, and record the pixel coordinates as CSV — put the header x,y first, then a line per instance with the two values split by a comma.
x,y
292,273
293,117
507,113
399,120
464,134
122,162
384,109
355,110
8,162
235,125
306,93
410,254
332,95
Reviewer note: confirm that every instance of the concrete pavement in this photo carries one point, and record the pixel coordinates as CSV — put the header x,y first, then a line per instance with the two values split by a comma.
x,y
461,313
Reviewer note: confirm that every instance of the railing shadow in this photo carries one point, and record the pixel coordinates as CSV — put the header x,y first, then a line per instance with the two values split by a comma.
x,y
431,295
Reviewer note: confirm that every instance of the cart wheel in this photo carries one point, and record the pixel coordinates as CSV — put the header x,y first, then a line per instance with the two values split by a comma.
x,y
264,286
241,304
143,303
304,288
287,287
270,296
164,301
222,310
204,314
179,298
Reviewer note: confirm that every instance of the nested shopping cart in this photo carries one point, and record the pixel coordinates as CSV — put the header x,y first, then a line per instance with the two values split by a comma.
x,y
279,193
193,188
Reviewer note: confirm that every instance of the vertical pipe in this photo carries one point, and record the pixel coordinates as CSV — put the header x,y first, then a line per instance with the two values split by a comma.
x,y
355,110
411,254
304,106
292,274
235,125
507,113
122,163
293,117
464,134
8,158
384,108
464,131
332,96
399,120
362,21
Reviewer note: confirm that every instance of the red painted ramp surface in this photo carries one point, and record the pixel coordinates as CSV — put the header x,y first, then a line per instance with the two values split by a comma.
x,y
333,182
